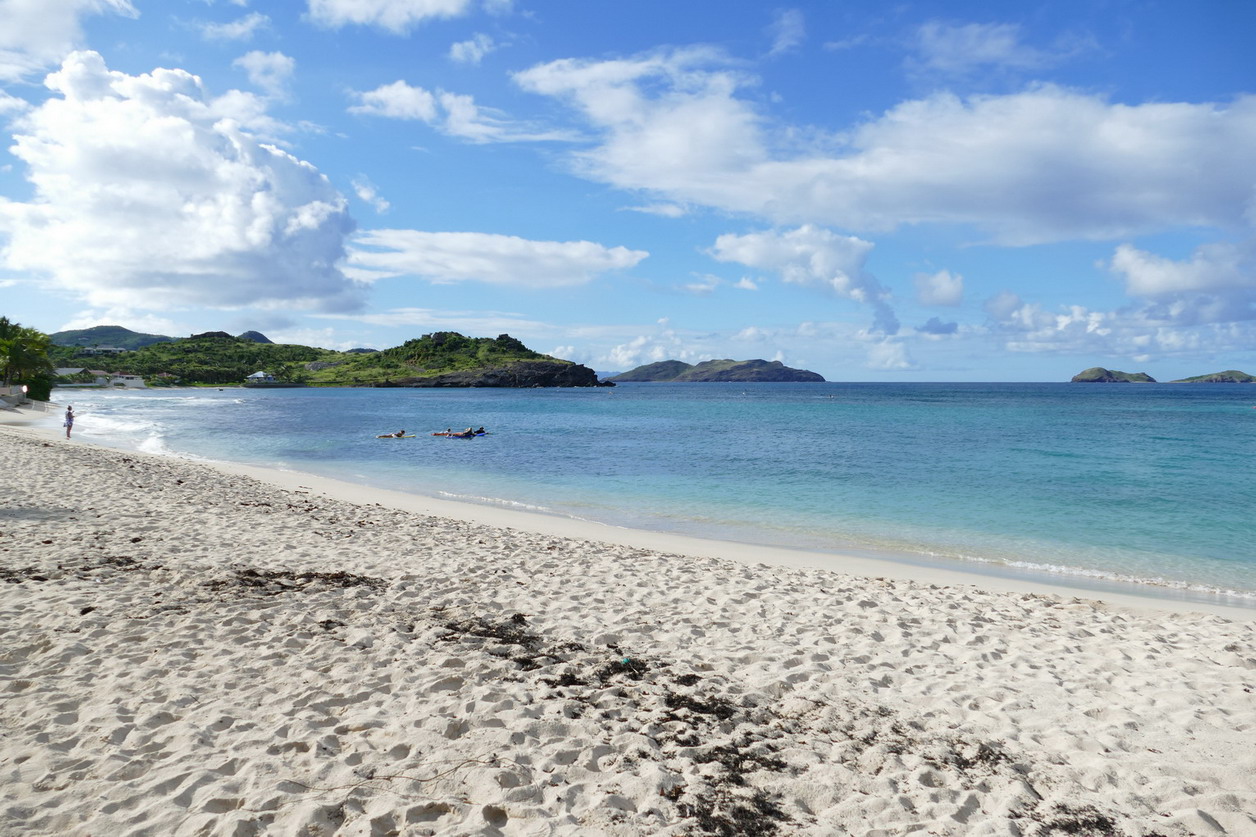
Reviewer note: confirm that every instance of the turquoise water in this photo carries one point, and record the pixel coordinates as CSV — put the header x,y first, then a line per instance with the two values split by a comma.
x,y
1152,485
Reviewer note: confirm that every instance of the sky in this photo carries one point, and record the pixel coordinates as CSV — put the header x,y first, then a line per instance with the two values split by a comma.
x,y
875,191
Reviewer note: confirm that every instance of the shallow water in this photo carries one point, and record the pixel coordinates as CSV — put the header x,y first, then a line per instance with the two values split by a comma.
x,y
1149,484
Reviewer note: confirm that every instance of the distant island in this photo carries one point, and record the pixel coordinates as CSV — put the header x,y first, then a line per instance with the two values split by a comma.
x,y
440,359
1230,376
739,371
1099,375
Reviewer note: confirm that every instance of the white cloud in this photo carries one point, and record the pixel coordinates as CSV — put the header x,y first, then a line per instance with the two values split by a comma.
x,y
745,283
472,51
368,192
1211,267
1045,164
242,29
397,101
451,113
395,16
959,49
665,210
270,71
890,355
704,286
941,288
643,349
36,34
446,257
1191,324
812,256
144,196
788,31
11,104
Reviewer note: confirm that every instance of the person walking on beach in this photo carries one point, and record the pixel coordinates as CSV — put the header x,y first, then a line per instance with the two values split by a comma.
x,y
69,421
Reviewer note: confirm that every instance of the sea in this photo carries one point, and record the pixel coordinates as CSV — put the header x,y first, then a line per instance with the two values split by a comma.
x,y
1143,488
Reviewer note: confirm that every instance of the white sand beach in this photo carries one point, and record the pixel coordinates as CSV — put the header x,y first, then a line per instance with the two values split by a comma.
x,y
189,649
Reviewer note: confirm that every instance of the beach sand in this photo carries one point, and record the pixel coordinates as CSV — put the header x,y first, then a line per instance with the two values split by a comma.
x,y
189,649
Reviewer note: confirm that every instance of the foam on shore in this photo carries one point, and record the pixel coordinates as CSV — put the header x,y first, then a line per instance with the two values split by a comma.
x,y
190,649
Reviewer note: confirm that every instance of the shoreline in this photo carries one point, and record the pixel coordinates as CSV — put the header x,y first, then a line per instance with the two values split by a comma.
x,y
189,649
906,567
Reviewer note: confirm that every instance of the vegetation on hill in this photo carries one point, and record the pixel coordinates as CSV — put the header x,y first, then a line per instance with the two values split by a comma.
x,y
664,370
441,359
1099,375
711,371
218,358
447,358
1230,376
24,359
107,335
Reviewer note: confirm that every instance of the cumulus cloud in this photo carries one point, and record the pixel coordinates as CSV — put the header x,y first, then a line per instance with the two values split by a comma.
x,y
447,257
452,114
890,355
1044,164
242,29
472,51
145,196
1188,324
941,288
811,255
270,71
1211,267
936,328
37,34
395,16
397,101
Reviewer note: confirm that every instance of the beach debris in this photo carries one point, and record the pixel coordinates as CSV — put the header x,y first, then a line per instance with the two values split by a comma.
x,y
274,582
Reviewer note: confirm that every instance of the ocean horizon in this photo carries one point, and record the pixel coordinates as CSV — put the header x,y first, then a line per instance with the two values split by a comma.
x,y
1142,488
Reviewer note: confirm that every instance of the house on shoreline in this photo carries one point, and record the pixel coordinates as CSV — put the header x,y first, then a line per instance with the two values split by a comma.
x,y
100,378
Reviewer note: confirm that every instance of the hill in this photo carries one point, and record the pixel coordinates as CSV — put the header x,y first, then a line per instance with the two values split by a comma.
x,y
450,359
1099,375
1230,376
107,335
256,337
664,370
715,371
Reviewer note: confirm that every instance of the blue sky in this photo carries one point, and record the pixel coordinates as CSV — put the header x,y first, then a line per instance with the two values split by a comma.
x,y
913,191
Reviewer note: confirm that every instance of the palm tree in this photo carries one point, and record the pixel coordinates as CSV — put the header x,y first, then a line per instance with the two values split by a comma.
x,y
24,358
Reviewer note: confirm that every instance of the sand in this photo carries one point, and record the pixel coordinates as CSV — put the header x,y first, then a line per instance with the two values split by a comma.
x,y
189,649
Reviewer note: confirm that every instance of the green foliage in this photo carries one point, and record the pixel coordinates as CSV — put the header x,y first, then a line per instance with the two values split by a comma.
x,y
1229,376
449,351
24,359
217,358
1099,375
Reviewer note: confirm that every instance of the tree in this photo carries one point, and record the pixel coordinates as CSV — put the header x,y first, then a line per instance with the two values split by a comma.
x,y
24,358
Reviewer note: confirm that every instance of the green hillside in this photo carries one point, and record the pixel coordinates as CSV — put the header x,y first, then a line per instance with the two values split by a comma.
x,y
216,357
107,335
1230,376
715,371
1099,375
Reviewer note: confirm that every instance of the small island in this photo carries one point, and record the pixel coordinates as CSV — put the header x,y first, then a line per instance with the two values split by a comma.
x,y
712,371
1230,376
1099,375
